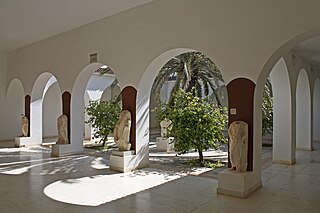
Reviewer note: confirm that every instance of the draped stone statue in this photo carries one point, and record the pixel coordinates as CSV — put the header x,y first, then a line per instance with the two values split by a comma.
x,y
122,131
165,124
62,125
238,145
25,126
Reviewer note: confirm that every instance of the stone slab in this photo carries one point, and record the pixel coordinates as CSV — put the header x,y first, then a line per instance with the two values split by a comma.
x,y
122,161
237,184
65,149
165,144
25,141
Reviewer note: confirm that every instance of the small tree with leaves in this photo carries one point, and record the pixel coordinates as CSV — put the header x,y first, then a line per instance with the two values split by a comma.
x,y
196,123
103,116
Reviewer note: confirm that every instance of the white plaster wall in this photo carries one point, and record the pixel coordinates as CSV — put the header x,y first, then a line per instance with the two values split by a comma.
x,y
52,109
106,95
3,76
316,111
115,91
3,87
303,129
110,92
97,85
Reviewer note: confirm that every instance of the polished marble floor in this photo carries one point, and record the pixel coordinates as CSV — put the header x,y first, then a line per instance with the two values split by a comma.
x,y
32,181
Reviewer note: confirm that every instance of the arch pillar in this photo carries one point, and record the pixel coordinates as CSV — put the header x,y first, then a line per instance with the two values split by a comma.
x,y
27,102
304,113
241,103
129,97
316,111
66,101
283,115
240,97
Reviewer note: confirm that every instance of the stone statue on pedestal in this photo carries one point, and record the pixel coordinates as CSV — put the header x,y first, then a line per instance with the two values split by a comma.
x,y
25,126
238,145
122,131
165,124
62,125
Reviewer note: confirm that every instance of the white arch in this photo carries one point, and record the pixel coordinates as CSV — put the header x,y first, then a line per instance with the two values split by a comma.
x,y
13,110
98,88
316,110
283,143
77,107
303,101
282,51
52,108
15,83
40,87
143,101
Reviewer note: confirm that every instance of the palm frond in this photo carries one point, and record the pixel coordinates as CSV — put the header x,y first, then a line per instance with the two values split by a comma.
x,y
191,70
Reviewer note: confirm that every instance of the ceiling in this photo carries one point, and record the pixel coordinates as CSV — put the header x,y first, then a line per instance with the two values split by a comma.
x,y
23,22
309,50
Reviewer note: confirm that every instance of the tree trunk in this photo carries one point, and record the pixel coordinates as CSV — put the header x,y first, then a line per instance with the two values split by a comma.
x,y
201,157
104,141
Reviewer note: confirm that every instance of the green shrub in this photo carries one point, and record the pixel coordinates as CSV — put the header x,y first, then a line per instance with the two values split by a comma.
x,y
103,116
196,123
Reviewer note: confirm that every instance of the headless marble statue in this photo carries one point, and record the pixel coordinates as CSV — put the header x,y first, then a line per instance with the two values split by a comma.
x,y
122,131
238,145
25,126
62,125
165,125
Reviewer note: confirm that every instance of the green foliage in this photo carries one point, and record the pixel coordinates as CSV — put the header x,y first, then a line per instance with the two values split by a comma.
x,y
206,163
103,116
196,123
267,109
193,72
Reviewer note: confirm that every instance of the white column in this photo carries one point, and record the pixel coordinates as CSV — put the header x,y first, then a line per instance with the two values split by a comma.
x,y
283,143
316,111
303,129
36,122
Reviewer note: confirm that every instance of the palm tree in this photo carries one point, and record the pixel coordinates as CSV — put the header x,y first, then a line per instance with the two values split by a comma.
x,y
193,72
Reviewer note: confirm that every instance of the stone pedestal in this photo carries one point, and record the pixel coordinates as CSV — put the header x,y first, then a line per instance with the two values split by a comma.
x,y
65,149
25,141
165,144
122,161
237,184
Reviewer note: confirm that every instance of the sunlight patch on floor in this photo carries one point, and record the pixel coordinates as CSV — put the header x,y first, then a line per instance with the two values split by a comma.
x,y
99,163
100,189
20,167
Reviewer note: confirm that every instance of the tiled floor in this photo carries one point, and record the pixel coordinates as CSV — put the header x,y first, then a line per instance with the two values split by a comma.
x,y
32,181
